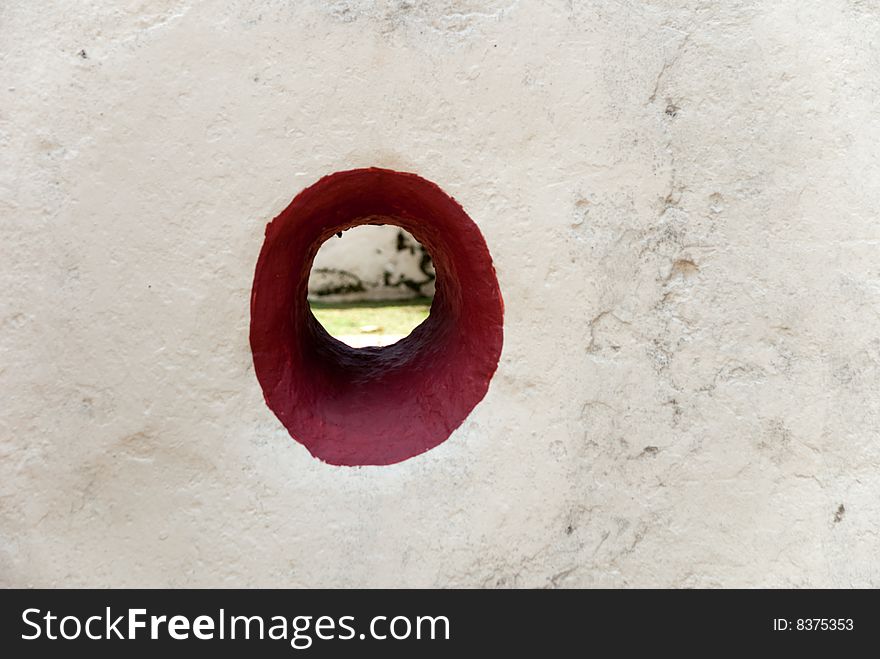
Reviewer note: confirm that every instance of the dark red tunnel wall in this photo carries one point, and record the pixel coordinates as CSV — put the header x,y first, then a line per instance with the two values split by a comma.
x,y
375,406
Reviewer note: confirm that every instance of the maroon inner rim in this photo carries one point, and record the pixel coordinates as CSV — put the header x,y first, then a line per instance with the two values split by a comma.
x,y
375,406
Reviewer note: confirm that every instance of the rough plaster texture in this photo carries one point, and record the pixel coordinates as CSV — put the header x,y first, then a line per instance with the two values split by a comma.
x,y
371,263
681,202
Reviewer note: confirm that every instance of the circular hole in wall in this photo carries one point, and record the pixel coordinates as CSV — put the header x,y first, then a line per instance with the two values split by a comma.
x,y
376,405
371,285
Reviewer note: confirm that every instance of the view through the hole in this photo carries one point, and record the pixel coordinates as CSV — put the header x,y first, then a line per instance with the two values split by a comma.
x,y
372,285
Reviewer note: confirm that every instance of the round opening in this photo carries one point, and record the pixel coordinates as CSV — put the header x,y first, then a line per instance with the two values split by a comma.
x,y
371,285
375,405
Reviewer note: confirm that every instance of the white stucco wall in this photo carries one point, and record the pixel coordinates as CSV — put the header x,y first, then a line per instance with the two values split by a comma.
x,y
371,263
681,200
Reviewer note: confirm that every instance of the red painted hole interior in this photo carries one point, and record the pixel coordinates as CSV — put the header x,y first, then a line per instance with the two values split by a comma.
x,y
375,406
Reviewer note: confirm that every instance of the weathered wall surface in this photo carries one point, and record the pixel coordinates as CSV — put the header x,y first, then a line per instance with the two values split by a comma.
x,y
372,263
681,200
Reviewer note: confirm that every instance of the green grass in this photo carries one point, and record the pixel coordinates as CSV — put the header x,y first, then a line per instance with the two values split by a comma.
x,y
389,316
